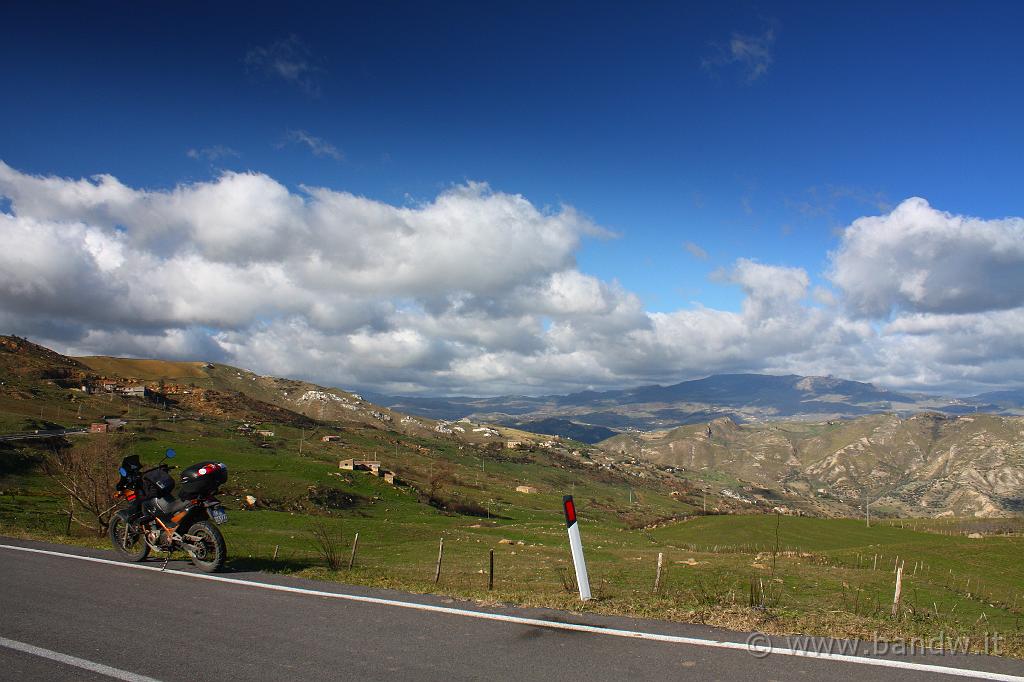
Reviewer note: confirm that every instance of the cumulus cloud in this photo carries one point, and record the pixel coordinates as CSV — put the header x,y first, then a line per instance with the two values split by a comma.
x,y
917,259
289,59
475,291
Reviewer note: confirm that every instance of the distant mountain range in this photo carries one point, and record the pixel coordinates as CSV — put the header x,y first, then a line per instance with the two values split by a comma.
x,y
745,398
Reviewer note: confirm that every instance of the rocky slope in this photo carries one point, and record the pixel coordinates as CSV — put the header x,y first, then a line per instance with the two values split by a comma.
x,y
928,464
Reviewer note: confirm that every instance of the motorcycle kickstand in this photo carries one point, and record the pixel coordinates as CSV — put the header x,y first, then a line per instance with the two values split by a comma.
x,y
167,558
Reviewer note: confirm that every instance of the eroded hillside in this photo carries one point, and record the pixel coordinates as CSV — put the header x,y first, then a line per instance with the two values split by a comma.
x,y
927,464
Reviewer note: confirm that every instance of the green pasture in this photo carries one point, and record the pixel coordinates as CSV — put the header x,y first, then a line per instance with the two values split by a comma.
x,y
777,573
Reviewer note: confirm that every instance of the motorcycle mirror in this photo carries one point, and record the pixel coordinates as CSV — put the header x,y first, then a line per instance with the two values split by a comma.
x,y
121,471
170,454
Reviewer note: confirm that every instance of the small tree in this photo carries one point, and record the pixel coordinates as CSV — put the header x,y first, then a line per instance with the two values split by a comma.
x,y
442,476
87,472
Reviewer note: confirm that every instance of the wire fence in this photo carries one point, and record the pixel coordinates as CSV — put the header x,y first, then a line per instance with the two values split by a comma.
x,y
691,577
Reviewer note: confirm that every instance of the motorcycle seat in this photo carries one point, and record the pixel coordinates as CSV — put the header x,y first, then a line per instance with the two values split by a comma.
x,y
168,506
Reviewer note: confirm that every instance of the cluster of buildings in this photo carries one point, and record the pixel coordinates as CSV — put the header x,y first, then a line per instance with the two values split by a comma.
x,y
371,465
131,390
108,425
248,429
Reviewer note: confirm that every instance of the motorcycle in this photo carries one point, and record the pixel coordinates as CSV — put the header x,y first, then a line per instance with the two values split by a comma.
x,y
155,520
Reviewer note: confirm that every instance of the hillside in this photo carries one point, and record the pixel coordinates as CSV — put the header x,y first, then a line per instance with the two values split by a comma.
x,y
928,464
584,433
181,380
24,364
476,464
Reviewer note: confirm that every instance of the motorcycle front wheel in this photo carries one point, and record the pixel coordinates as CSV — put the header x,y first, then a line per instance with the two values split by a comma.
x,y
211,552
127,540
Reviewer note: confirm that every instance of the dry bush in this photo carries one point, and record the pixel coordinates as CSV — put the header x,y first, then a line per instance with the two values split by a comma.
x,y
87,472
328,545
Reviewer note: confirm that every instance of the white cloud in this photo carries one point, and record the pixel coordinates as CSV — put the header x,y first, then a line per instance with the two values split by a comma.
x,y
477,291
752,54
770,289
319,146
288,59
695,250
212,154
918,259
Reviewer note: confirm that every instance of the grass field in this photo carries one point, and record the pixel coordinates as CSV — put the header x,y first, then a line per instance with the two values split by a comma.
x,y
775,573
145,369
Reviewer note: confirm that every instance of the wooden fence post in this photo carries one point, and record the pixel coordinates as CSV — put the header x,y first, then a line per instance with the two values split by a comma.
x,y
440,554
352,557
657,576
899,590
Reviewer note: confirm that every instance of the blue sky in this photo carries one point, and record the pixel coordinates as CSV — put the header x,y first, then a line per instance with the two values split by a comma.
x,y
744,130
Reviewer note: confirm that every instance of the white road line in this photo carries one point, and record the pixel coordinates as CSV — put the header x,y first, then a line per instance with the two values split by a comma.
x,y
116,673
555,625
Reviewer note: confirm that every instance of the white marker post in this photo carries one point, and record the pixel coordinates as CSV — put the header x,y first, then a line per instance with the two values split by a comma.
x,y
577,548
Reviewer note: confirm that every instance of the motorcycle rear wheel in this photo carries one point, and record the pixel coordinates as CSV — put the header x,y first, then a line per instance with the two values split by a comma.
x,y
129,542
214,552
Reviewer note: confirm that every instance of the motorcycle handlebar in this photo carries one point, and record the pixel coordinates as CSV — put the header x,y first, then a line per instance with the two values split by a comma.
x,y
165,467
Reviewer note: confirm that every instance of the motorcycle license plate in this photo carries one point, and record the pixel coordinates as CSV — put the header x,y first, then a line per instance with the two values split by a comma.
x,y
219,515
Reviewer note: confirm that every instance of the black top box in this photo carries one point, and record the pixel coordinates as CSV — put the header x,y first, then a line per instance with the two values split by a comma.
x,y
203,478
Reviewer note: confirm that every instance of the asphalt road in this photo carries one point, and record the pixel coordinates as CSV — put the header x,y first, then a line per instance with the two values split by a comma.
x,y
41,433
174,626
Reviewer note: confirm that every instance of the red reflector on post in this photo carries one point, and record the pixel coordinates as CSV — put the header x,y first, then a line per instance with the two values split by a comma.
x,y
570,510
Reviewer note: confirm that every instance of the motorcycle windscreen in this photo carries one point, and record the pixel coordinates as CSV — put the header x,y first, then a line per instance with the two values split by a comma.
x,y
129,469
